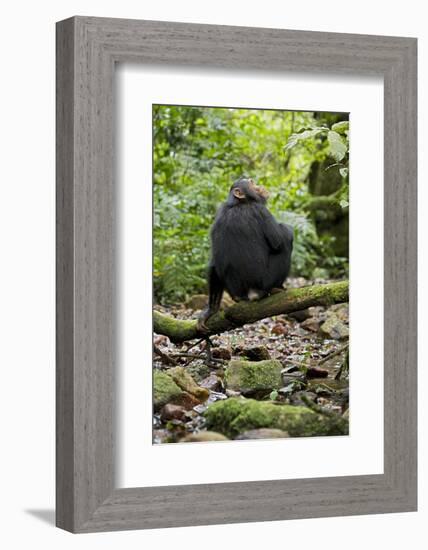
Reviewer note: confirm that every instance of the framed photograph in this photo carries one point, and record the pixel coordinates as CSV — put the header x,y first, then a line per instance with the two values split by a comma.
x,y
236,274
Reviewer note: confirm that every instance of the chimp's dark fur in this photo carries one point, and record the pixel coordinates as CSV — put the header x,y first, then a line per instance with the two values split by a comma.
x,y
251,251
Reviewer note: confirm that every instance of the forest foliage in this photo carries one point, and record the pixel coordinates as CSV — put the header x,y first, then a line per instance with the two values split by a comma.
x,y
302,158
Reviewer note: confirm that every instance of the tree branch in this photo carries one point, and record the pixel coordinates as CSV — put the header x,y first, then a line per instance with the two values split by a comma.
x,y
293,299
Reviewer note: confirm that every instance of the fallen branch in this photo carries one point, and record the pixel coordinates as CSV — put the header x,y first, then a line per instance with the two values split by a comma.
x,y
333,354
293,299
165,358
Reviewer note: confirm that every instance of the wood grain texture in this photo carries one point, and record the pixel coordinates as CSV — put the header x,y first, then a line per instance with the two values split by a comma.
x,y
87,49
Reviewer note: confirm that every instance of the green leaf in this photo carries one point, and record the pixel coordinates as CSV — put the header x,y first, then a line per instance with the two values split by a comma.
x,y
307,134
341,127
273,395
337,146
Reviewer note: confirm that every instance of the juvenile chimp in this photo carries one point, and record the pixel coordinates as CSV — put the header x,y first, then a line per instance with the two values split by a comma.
x,y
250,250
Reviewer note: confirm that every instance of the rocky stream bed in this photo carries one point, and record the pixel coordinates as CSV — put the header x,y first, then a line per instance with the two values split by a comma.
x,y
285,376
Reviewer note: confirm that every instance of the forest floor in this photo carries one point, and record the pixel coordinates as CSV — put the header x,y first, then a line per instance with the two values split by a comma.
x,y
299,360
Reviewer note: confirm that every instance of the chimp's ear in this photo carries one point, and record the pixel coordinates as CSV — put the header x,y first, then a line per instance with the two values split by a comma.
x,y
238,193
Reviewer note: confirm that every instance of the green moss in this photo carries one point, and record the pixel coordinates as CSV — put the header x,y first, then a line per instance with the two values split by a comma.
x,y
237,415
198,371
248,312
164,389
252,376
183,379
176,330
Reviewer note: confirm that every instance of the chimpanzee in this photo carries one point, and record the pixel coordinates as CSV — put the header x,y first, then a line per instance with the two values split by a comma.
x,y
250,250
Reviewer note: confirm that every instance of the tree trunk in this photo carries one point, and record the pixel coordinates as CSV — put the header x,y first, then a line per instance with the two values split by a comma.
x,y
243,313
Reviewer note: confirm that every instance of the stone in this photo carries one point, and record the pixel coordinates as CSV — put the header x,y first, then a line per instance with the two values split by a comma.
x,y
172,412
311,324
221,353
333,327
262,433
341,310
203,437
256,353
211,383
164,389
186,400
237,415
232,393
299,315
297,397
316,372
198,371
279,329
329,383
184,380
160,436
196,302
249,377
161,340
200,301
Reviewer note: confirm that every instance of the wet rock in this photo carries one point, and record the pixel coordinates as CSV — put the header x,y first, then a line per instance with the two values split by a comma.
x,y
211,383
311,324
342,311
237,415
256,353
200,301
164,389
297,398
196,302
289,368
198,371
316,311
172,412
200,409
290,377
221,353
262,433
232,393
186,400
316,372
300,315
161,340
204,436
333,327
184,380
331,384
279,329
249,377
215,396
160,436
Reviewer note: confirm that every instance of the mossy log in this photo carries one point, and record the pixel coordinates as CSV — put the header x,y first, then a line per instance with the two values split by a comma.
x,y
293,299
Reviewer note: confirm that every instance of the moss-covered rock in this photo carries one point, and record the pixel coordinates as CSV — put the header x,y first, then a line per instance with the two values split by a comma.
x,y
165,389
250,377
183,379
237,415
263,433
198,301
198,371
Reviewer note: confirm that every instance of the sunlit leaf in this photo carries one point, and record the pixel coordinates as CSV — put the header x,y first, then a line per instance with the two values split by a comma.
x,y
338,148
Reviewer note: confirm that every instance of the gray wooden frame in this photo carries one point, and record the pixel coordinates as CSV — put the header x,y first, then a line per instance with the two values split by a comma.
x,y
87,50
